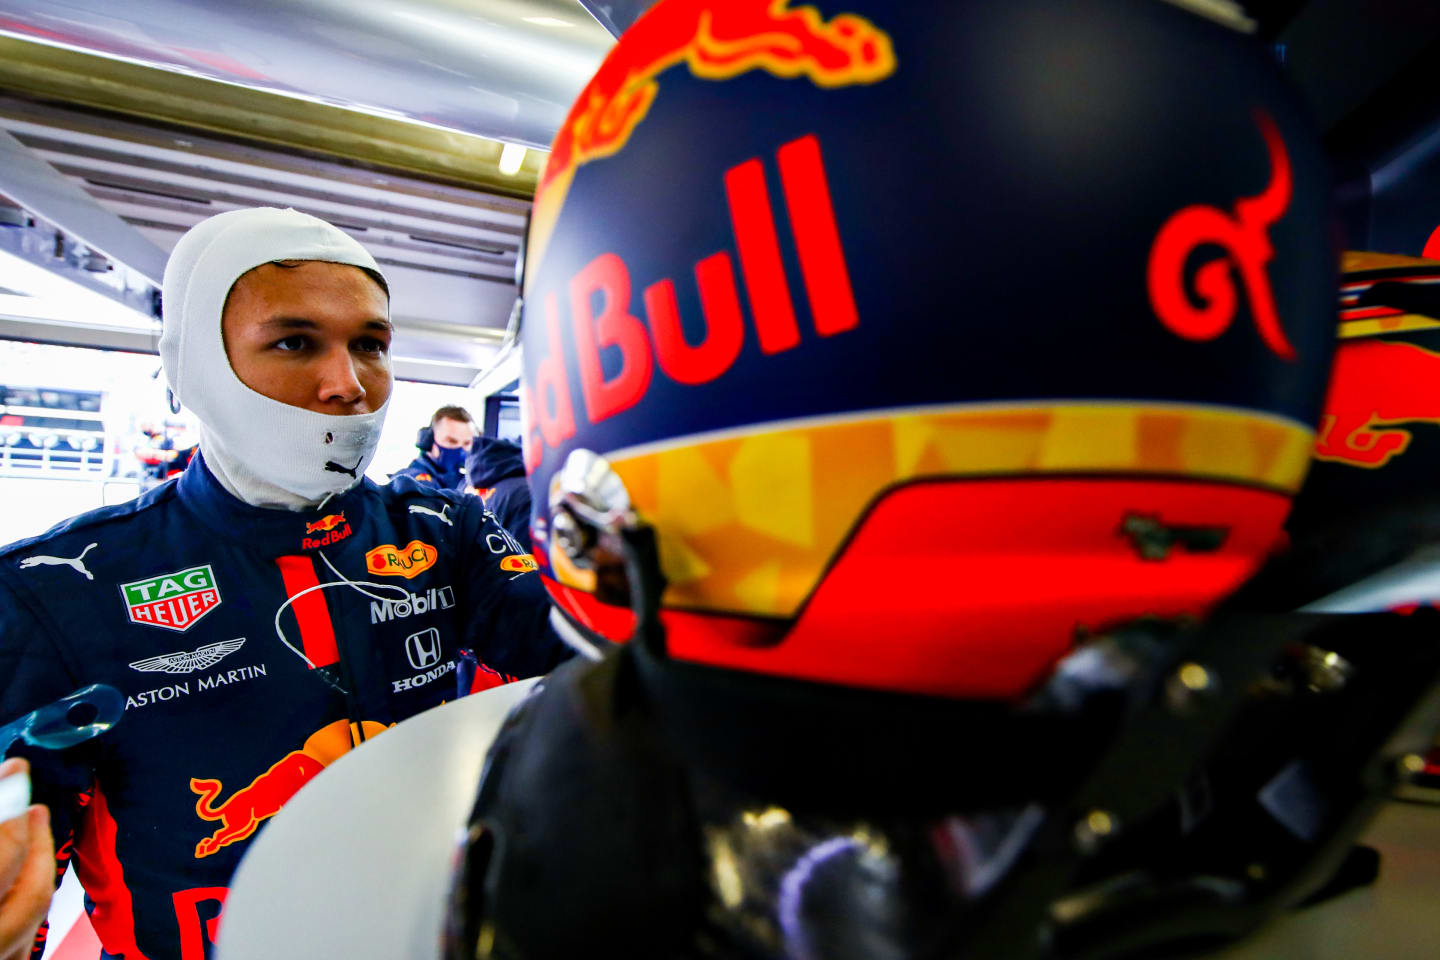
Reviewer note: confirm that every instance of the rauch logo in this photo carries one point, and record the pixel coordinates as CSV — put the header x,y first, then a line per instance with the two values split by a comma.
x,y
408,561
175,601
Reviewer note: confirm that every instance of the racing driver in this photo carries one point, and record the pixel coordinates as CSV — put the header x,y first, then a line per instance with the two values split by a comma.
x,y
268,609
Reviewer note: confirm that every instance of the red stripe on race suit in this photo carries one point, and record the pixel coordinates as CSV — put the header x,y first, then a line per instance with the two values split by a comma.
x,y
317,631
100,873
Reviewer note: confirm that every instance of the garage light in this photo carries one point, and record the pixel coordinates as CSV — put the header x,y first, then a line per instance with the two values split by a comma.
x,y
511,159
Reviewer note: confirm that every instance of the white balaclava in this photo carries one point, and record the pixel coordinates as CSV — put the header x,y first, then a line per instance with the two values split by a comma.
x,y
264,452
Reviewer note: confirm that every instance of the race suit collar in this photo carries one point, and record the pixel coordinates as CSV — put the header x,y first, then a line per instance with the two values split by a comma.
x,y
274,530
443,477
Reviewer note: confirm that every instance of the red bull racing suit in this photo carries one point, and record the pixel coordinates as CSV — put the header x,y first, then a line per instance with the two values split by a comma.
x,y
253,646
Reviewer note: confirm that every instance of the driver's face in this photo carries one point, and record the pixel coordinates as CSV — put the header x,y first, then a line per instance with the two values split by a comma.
x,y
450,434
310,334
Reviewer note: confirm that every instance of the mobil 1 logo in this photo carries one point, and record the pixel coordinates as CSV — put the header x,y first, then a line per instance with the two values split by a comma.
x,y
436,598
173,601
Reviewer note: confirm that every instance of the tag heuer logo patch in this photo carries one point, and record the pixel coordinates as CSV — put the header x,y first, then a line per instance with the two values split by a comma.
x,y
175,601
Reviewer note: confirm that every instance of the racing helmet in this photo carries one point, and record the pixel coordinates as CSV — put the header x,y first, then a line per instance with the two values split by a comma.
x,y
926,337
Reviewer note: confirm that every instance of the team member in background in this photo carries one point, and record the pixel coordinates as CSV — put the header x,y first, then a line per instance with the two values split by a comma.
x,y
267,609
443,446
496,473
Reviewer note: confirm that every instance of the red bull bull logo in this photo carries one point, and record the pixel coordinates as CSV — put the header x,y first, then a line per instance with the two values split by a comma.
x,y
332,528
408,561
1376,386
717,40
1244,239
328,522
241,814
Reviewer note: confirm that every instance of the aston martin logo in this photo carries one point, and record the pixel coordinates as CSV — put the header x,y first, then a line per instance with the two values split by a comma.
x,y
182,661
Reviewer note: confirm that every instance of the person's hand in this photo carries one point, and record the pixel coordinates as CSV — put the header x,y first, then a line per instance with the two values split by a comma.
x,y
27,873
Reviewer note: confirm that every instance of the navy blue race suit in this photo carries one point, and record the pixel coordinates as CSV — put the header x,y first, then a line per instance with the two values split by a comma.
x,y
425,470
243,639
497,473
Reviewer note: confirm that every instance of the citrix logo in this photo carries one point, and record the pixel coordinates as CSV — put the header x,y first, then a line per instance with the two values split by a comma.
x,y
436,598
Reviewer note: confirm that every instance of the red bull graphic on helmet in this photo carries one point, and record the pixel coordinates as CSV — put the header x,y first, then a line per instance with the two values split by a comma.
x,y
1245,240
720,40
241,814
408,561
659,341
717,40
1377,385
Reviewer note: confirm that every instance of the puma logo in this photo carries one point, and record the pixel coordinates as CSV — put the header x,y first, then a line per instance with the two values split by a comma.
x,y
333,467
440,515
76,562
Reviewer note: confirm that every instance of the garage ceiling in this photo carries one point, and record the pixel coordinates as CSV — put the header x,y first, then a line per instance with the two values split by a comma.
x,y
166,113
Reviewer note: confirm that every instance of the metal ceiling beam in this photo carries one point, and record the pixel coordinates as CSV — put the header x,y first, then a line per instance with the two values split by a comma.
x,y
56,75
346,221
37,186
81,128
617,16
503,69
76,154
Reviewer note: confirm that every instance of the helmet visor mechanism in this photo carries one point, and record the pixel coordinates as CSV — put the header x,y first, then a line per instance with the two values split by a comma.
x,y
594,527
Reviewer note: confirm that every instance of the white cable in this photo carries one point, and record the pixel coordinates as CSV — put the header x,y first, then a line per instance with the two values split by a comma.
x,y
342,582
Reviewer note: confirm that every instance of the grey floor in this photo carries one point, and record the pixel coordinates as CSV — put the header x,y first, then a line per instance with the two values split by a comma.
x,y
1396,919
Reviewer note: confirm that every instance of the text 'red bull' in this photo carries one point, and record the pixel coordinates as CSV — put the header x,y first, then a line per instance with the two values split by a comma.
x,y
1376,385
660,340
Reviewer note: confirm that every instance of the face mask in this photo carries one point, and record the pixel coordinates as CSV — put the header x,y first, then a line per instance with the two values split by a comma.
x,y
263,451
451,459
